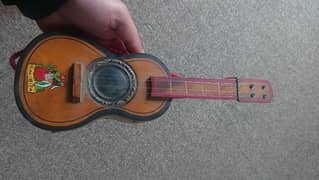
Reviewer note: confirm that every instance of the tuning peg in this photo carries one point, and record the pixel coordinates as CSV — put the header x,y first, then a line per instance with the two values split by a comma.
x,y
263,87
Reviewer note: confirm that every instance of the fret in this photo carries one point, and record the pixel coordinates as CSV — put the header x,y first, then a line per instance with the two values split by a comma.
x,y
178,87
194,88
186,87
202,89
170,87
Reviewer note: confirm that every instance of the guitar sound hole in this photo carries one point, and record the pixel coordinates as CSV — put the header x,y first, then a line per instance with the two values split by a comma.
x,y
110,82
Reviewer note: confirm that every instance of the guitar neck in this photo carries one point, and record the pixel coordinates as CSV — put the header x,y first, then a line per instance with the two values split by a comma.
x,y
243,90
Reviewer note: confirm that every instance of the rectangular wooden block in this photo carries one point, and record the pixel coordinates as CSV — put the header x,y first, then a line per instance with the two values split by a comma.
x,y
77,94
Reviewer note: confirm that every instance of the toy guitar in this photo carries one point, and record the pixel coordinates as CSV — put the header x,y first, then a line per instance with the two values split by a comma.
x,y
64,81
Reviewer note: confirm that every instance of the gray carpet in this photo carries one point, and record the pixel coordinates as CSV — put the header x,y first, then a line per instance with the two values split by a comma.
x,y
196,139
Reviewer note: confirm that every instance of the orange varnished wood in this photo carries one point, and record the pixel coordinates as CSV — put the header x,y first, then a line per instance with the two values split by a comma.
x,y
77,83
54,107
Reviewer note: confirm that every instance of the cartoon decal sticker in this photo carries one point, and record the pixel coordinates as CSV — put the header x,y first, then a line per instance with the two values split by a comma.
x,y
41,77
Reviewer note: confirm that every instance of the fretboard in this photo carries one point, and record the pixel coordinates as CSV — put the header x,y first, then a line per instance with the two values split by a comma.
x,y
243,90
199,88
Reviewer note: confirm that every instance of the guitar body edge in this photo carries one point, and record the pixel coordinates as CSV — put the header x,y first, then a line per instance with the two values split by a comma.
x,y
127,111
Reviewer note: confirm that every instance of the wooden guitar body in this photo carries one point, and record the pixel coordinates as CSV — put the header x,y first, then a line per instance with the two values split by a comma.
x,y
51,83
64,81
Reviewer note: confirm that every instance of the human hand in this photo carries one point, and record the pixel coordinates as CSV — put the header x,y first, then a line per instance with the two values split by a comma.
x,y
107,21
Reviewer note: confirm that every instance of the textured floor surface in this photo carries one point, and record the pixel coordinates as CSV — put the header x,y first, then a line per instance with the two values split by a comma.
x,y
196,139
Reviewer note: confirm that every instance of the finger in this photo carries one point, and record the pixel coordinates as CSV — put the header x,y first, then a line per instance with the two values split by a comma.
x,y
115,46
119,48
127,32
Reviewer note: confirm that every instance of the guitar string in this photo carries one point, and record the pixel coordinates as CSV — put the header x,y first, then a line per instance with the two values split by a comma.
x,y
229,88
185,80
189,83
197,81
214,92
219,88
192,94
224,89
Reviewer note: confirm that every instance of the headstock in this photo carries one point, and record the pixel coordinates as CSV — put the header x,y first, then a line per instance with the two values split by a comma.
x,y
254,90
